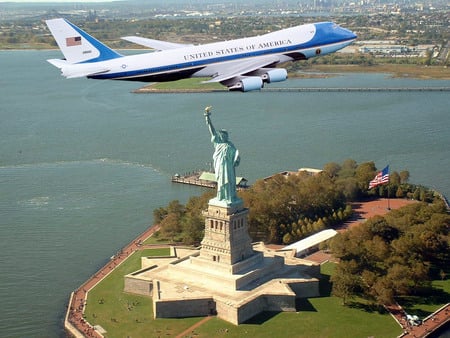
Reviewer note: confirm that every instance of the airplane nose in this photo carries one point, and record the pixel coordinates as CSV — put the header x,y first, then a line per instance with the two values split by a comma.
x,y
347,34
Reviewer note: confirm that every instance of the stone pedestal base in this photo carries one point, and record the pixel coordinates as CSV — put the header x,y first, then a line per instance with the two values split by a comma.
x,y
226,276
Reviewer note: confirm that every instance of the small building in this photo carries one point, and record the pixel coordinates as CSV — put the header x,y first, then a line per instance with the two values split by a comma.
x,y
309,171
211,177
310,244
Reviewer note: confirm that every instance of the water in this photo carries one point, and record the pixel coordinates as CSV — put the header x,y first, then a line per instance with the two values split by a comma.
x,y
84,163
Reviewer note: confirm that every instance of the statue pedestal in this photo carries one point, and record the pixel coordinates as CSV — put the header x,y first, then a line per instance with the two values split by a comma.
x,y
226,241
227,259
231,207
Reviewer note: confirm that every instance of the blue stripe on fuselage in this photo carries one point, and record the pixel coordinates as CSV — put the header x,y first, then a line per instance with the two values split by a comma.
x,y
327,33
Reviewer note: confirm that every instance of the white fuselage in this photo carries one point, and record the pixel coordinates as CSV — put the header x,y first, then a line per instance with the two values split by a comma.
x,y
209,58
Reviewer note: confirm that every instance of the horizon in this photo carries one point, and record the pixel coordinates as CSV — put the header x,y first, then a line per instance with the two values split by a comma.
x,y
53,1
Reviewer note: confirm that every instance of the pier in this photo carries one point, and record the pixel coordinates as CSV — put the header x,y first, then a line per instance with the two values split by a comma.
x,y
205,179
355,89
148,90
193,179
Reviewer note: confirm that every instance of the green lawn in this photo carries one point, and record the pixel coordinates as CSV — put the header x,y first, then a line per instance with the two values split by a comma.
x,y
155,240
317,317
187,84
123,314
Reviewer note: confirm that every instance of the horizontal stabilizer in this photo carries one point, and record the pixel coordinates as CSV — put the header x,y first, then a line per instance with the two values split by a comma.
x,y
71,71
58,63
154,44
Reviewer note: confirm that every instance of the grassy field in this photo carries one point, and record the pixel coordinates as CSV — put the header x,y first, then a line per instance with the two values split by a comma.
x,y
185,85
397,70
122,314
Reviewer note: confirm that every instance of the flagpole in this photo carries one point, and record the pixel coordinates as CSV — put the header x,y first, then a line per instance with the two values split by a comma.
x,y
388,203
388,188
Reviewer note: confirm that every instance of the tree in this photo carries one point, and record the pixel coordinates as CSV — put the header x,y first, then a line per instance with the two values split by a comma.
x,y
171,227
332,169
348,168
364,173
399,193
159,214
394,178
345,281
287,238
404,176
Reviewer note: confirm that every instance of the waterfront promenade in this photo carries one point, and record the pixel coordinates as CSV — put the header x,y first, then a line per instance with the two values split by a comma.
x,y
430,324
74,321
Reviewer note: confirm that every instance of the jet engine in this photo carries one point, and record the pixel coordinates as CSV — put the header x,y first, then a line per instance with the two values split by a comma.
x,y
275,75
246,84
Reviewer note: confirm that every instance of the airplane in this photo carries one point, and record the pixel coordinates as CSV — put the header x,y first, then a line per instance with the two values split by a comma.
x,y
243,64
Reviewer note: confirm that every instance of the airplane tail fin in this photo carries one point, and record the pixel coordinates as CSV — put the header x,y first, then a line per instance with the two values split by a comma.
x,y
77,45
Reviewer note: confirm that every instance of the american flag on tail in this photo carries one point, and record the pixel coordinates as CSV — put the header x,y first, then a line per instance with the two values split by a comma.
x,y
381,178
73,41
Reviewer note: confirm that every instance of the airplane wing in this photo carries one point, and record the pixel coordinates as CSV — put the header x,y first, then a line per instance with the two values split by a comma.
x,y
154,44
238,68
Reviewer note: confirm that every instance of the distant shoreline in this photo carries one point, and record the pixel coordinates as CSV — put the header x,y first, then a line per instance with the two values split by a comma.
x,y
397,70
320,72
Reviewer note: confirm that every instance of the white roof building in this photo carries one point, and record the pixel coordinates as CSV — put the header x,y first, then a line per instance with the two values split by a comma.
x,y
303,246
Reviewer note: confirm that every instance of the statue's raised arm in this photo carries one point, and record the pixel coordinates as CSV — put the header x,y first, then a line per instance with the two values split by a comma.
x,y
208,121
225,159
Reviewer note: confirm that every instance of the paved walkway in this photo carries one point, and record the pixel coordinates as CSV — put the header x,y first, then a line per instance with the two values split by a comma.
x,y
74,317
190,331
379,207
429,324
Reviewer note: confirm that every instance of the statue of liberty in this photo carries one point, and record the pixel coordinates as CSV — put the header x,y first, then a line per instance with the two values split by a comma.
x,y
225,159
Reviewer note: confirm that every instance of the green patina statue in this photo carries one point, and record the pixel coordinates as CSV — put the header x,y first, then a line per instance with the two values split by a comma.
x,y
226,158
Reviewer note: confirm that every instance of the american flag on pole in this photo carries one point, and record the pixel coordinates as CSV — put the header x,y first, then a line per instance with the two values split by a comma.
x,y
381,178
73,41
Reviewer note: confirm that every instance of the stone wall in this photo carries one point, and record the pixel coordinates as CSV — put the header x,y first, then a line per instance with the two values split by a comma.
x,y
184,308
279,303
227,311
305,289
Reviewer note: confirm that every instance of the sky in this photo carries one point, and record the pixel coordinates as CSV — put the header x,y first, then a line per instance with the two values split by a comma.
x,y
56,1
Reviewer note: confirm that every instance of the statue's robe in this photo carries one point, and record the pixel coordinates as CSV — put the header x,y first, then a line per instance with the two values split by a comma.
x,y
225,157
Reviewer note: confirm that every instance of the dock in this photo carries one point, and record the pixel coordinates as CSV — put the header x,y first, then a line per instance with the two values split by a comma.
x,y
205,179
354,89
146,90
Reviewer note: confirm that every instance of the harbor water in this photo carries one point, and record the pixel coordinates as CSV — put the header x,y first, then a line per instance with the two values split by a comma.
x,y
84,163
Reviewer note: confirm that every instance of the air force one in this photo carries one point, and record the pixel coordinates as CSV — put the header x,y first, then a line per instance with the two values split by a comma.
x,y
244,64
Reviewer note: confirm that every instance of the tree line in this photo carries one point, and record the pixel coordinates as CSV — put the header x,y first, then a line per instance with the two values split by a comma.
x,y
392,256
287,208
